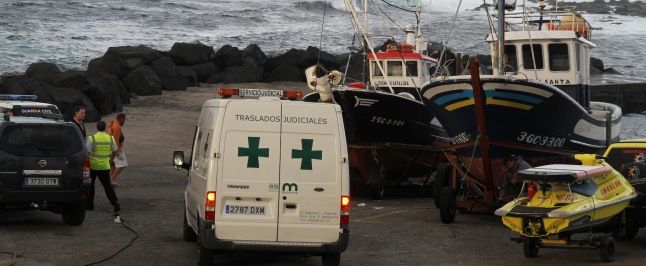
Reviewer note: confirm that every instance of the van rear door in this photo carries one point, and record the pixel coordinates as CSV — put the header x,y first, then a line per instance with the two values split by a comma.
x,y
310,174
247,179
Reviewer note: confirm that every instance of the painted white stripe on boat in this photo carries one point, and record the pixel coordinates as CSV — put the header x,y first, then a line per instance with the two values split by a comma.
x,y
516,87
444,88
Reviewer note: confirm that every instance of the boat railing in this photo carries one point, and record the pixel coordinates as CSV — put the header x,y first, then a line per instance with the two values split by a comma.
x,y
564,20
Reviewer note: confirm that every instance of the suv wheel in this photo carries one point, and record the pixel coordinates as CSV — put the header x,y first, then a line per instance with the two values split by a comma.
x,y
74,214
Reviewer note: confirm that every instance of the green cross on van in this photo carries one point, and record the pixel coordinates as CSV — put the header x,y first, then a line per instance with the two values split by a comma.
x,y
307,154
254,152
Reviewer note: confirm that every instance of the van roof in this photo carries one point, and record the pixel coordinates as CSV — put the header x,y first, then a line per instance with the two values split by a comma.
x,y
224,102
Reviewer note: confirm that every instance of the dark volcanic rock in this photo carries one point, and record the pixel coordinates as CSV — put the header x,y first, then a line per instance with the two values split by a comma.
x,y
122,60
133,55
107,92
191,53
189,74
596,66
228,56
244,74
25,85
217,78
143,81
42,71
113,65
171,77
205,70
67,99
355,71
286,73
290,58
73,79
253,51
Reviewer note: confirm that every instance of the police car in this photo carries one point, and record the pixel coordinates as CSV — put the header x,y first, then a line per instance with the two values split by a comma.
x,y
267,175
43,161
25,106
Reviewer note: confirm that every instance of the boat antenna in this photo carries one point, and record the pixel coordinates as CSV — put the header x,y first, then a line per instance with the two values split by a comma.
x,y
318,58
364,35
529,35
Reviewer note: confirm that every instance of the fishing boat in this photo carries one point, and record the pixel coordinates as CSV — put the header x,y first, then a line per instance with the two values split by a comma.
x,y
391,134
562,200
536,105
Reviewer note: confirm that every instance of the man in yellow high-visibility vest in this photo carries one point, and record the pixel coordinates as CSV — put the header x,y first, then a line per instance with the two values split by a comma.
x,y
101,148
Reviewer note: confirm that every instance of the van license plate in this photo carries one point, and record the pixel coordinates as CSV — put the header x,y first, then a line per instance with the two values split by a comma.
x,y
41,182
238,209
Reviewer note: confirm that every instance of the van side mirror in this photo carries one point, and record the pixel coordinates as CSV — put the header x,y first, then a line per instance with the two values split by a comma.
x,y
178,161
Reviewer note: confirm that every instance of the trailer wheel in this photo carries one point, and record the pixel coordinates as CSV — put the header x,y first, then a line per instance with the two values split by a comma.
x,y
607,249
530,247
442,179
376,184
630,232
447,205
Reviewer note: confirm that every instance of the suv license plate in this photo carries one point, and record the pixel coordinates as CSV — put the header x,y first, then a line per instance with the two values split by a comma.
x,y
239,209
41,182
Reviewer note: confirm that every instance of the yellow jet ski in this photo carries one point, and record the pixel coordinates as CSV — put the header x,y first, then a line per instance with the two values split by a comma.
x,y
558,200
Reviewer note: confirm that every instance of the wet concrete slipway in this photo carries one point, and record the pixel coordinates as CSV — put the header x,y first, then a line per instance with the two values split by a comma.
x,y
396,231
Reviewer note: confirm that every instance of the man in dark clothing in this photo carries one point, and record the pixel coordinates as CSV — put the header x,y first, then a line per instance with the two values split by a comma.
x,y
512,185
79,118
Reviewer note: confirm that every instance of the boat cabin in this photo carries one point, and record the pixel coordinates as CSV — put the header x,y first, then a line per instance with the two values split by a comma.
x,y
556,53
406,70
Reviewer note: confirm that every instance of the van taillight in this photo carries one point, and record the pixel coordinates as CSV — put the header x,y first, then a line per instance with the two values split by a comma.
x,y
86,171
209,210
345,210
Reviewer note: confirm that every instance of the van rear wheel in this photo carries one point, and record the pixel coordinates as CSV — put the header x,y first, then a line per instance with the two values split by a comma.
x,y
187,232
331,259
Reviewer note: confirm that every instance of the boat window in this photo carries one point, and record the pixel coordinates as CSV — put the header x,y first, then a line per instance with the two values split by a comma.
x,y
375,69
411,68
528,63
559,57
511,60
394,69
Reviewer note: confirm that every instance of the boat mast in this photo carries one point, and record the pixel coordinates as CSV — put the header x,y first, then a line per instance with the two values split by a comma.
x,y
364,35
501,36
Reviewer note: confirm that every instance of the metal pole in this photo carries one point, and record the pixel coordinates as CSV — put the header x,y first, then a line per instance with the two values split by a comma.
x,y
501,36
479,98
608,128
458,63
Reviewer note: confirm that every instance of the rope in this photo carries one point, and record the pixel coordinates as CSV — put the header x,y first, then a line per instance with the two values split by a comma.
x,y
457,11
400,8
531,43
318,59
132,240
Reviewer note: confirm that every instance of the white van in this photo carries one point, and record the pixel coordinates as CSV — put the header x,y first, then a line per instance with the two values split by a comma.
x,y
268,175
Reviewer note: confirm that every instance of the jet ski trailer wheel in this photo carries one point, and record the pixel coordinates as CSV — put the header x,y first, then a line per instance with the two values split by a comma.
x,y
607,249
603,242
